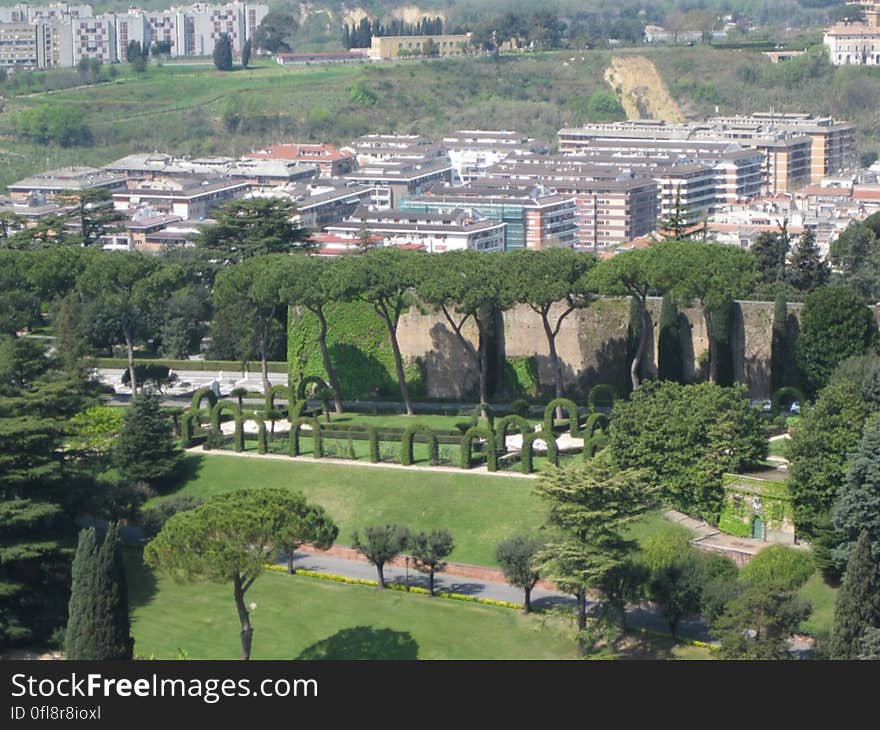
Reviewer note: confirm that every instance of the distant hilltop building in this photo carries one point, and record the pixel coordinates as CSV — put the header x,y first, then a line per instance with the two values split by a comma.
x,y
856,44
60,35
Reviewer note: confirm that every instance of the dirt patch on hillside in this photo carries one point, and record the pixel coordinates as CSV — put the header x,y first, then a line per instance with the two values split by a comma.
x,y
413,13
641,90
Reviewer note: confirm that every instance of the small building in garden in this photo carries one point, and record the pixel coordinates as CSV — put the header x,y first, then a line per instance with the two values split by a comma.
x,y
758,506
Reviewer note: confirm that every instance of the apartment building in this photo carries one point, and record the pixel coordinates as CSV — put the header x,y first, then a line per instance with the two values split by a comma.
x,y
385,48
48,185
320,203
394,180
19,46
536,218
452,230
797,148
372,148
94,37
189,199
854,44
331,161
473,151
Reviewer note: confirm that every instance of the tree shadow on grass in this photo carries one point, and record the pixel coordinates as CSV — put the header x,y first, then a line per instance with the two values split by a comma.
x,y
364,642
187,470
140,580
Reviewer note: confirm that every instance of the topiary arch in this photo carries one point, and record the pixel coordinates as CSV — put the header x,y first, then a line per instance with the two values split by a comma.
x,y
467,442
309,380
602,391
567,405
502,426
406,444
373,435
788,395
527,453
262,439
594,443
595,421
216,419
283,390
186,428
199,396
295,427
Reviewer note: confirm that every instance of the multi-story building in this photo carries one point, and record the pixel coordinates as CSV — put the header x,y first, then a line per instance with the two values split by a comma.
x,y
191,199
394,180
473,151
433,232
372,148
19,46
331,161
536,218
856,44
64,181
199,26
321,203
385,48
95,37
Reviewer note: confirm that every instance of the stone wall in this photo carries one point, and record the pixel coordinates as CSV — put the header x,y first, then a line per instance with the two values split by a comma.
x,y
592,344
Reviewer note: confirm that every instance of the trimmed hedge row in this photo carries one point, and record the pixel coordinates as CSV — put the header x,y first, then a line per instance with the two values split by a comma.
x,y
120,363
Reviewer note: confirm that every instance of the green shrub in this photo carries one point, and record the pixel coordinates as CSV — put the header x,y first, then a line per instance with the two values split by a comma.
x,y
467,441
520,407
731,524
406,444
602,395
787,395
571,409
520,377
199,396
154,519
779,568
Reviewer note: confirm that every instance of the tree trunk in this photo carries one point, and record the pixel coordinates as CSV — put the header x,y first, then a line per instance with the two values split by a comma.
x,y
582,618
483,364
555,363
380,570
713,349
264,356
398,367
129,349
673,628
290,562
247,631
527,603
431,582
328,365
640,350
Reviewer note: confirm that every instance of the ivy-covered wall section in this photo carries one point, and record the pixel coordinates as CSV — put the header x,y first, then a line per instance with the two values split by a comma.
x,y
748,498
360,349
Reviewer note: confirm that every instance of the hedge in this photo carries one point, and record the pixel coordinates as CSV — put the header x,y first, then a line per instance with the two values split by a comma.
x,y
295,426
186,429
527,452
501,427
406,444
285,391
602,391
262,439
570,407
467,442
199,396
120,363
789,394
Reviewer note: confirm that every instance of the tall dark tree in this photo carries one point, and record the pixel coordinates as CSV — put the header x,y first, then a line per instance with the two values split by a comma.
x,y
223,53
98,626
517,557
808,270
274,31
246,54
778,342
137,56
857,507
670,365
145,450
428,550
858,603
769,250
380,544
95,215
758,624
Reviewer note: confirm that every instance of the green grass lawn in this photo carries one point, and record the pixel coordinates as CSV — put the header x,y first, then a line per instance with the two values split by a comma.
x,y
298,617
779,447
822,597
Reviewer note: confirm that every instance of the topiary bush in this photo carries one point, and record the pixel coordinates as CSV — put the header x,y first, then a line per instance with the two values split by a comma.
x,y
238,435
520,407
406,444
295,427
311,380
786,395
527,453
570,407
595,443
262,439
373,435
504,424
603,396
467,442
199,396
595,421
284,391
186,429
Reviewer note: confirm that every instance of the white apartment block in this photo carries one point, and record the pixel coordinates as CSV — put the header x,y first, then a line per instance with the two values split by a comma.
x,y
62,34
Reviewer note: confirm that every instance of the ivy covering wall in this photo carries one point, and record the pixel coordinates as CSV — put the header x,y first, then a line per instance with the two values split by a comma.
x,y
360,348
739,509
521,377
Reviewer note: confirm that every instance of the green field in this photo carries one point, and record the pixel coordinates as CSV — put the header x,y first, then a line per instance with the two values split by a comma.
x,y
822,598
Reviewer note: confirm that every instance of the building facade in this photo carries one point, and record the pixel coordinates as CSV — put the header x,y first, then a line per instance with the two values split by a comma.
x,y
385,48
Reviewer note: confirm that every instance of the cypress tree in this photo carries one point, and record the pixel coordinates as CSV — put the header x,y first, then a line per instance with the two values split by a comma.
x,y
670,365
808,270
858,603
98,626
777,344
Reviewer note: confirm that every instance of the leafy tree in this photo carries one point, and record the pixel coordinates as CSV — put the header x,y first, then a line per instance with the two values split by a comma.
x,y
183,321
383,278
677,589
670,365
223,53
808,270
863,371
516,556
589,505
251,292
770,250
229,538
469,286
312,282
858,603
687,436
631,273
827,433
146,450
53,124
95,214
380,545
428,550
712,274
869,647
245,54
835,324
778,568
622,585
98,626
136,56
857,506
274,31
254,227
543,279
128,287
313,526
856,251
758,624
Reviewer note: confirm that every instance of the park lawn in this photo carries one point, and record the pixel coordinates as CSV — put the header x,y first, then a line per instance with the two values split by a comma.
x,y
822,597
300,617
779,447
479,510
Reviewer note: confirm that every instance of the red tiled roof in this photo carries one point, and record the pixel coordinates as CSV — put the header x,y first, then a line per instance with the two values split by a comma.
x,y
301,152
